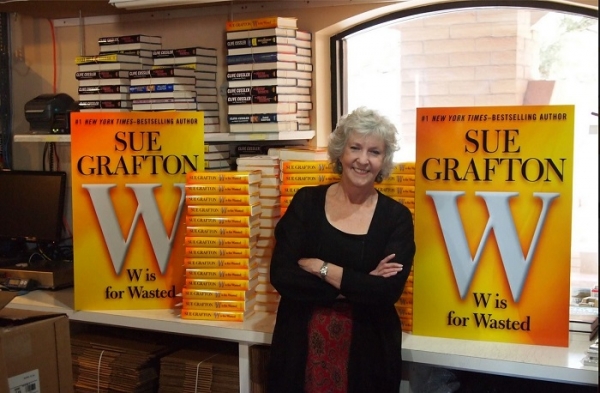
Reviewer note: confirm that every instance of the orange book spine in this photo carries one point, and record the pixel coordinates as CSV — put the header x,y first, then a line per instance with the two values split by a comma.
x,y
216,252
191,293
218,189
285,200
404,168
222,274
400,178
290,189
227,221
252,24
220,305
295,166
237,285
221,231
216,210
211,177
216,263
393,190
222,199
309,178
229,316
217,242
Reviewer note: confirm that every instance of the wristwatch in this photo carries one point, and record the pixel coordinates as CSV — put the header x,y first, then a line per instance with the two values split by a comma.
x,y
323,271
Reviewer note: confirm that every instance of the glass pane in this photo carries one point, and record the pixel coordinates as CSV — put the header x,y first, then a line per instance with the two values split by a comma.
x,y
483,57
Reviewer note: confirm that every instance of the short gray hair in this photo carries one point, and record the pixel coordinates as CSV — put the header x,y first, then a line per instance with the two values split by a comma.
x,y
363,121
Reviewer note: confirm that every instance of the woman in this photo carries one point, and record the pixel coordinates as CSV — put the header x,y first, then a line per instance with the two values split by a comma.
x,y
342,255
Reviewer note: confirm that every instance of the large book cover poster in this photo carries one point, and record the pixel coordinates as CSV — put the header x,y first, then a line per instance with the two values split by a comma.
x,y
493,206
128,175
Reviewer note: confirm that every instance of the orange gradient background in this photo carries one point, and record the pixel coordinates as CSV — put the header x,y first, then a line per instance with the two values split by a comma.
x,y
93,134
545,294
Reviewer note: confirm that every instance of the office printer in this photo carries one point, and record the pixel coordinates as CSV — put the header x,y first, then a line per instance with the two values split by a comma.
x,y
49,113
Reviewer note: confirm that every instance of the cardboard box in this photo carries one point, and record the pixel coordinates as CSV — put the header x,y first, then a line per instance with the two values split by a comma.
x,y
35,350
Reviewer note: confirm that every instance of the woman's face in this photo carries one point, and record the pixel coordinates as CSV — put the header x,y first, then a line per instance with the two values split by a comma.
x,y
362,159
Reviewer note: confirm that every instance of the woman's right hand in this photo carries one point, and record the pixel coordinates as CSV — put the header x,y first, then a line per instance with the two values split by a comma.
x,y
385,268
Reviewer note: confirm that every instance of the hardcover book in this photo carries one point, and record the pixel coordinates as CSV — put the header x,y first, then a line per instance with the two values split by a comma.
x,y
272,65
192,293
226,221
236,285
235,177
185,52
265,32
111,74
206,60
297,166
266,74
264,127
279,107
226,316
220,305
219,252
279,48
229,210
218,263
161,72
261,23
254,42
129,39
225,199
223,188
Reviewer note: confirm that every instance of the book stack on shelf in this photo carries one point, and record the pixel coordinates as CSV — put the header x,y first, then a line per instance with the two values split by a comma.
x,y
217,157
187,370
222,227
107,363
269,75
103,78
160,89
584,320
267,298
400,185
591,355
203,61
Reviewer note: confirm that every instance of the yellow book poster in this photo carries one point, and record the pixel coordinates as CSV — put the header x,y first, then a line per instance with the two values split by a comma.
x,y
128,176
493,206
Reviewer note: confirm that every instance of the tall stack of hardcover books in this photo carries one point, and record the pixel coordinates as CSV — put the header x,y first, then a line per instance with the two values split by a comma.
x,y
103,78
217,157
267,298
401,187
269,75
222,227
203,61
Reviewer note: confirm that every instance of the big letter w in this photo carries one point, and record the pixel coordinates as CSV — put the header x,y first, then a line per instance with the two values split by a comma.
x,y
162,243
516,266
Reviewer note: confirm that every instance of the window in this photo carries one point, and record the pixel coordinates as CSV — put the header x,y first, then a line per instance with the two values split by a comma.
x,y
463,54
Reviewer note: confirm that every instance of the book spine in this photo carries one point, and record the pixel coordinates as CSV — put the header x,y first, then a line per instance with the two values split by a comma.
x,y
220,274
251,75
229,316
217,189
190,293
251,91
221,305
167,88
404,168
109,58
216,263
252,24
182,52
402,179
216,210
199,283
215,252
219,199
252,58
126,39
396,190
240,100
285,201
290,189
293,166
103,89
211,231
227,221
309,178
153,73
111,74
253,42
223,177
104,104
161,100
209,242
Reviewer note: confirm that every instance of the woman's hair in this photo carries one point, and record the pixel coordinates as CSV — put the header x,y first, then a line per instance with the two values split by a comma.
x,y
364,122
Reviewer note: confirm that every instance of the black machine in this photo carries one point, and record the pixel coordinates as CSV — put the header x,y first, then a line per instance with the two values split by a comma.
x,y
49,113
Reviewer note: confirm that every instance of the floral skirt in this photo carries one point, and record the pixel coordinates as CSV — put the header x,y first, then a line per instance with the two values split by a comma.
x,y
329,335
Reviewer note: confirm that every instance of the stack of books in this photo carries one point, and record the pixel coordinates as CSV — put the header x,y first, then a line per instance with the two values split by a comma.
x,y
107,363
269,75
103,78
192,371
584,320
591,355
267,298
217,157
400,185
222,227
203,61
159,89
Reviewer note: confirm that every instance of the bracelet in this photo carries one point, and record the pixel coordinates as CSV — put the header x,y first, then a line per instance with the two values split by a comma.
x,y
323,271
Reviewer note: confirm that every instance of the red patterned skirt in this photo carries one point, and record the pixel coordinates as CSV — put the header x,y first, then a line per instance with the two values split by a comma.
x,y
329,335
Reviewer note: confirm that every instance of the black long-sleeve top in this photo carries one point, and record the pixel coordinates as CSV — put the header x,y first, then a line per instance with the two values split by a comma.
x,y
375,362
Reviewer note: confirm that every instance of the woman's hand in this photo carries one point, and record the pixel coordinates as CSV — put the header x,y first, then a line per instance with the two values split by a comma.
x,y
385,268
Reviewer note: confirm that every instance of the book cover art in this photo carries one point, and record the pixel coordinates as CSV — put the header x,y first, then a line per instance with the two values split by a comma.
x,y
493,198
128,213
